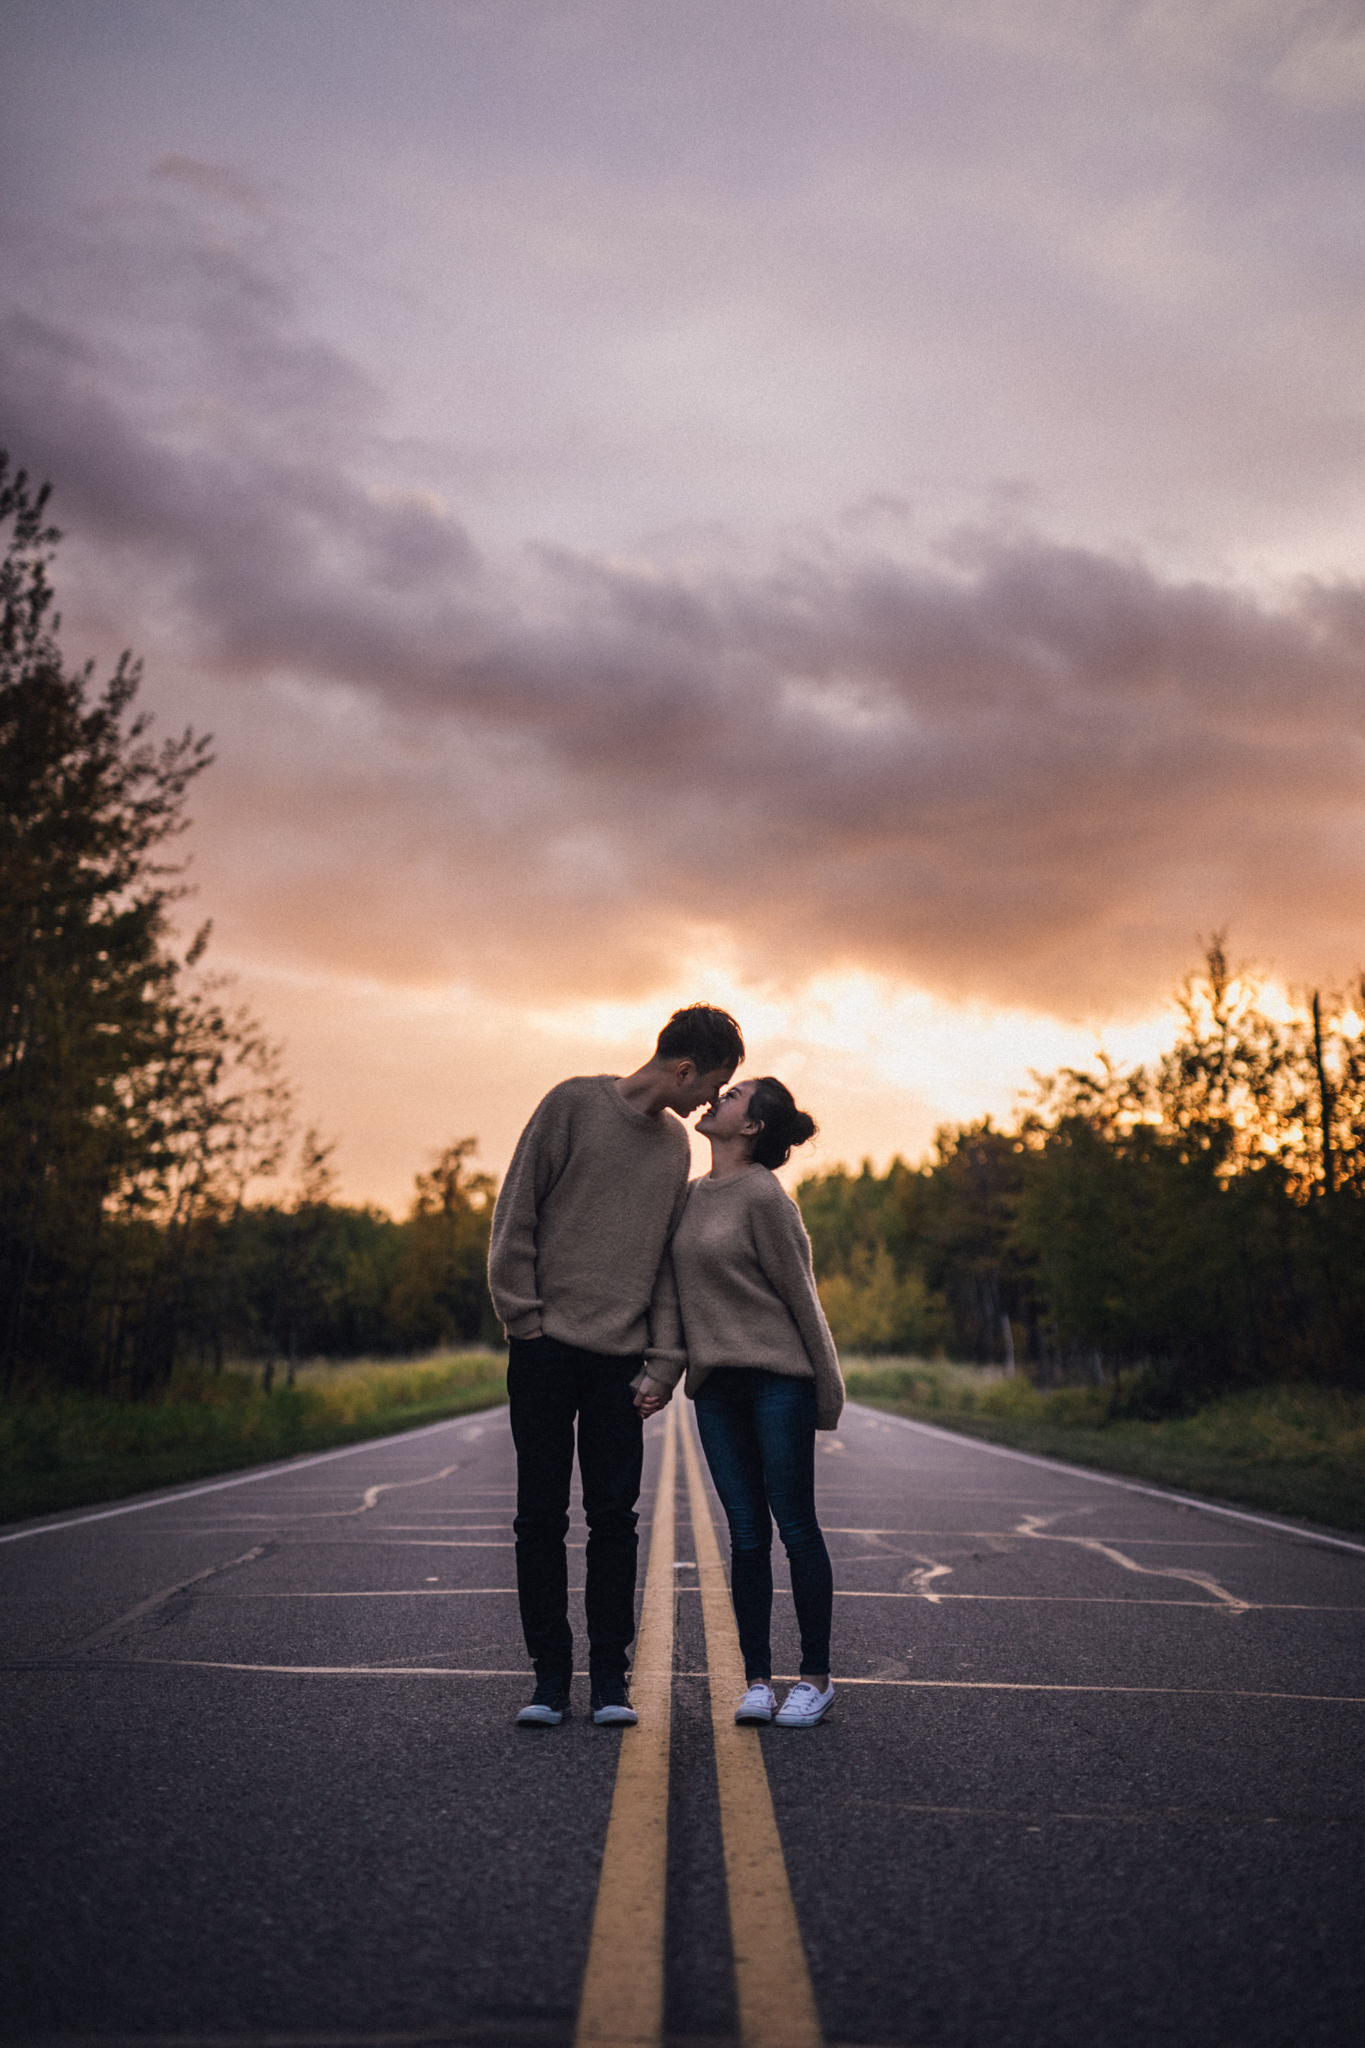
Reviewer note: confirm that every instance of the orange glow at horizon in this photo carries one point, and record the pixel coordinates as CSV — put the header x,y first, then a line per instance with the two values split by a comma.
x,y
394,1073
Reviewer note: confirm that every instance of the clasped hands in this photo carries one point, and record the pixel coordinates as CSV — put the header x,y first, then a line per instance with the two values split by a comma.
x,y
652,1395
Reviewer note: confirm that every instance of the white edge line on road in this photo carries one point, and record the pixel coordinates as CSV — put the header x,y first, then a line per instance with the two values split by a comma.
x,y
1183,1500
276,1470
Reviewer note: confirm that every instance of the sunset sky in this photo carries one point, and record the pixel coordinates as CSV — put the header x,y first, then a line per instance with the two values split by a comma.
x,y
847,508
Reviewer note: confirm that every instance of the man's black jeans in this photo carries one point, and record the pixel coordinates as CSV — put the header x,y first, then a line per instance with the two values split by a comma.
x,y
549,1385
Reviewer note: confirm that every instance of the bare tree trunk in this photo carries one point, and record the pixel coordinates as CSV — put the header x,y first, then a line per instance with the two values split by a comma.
x,y
1329,1164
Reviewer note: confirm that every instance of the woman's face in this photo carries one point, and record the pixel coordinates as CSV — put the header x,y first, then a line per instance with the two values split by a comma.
x,y
730,1114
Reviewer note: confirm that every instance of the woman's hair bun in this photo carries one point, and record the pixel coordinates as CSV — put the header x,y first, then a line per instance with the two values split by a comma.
x,y
784,1125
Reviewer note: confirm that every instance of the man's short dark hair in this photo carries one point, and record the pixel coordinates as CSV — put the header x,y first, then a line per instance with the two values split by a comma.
x,y
710,1038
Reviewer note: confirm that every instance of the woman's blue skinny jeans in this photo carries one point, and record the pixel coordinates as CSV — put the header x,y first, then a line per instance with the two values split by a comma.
x,y
758,1432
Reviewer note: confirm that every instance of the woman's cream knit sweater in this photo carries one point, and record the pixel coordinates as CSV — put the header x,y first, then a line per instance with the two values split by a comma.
x,y
737,1288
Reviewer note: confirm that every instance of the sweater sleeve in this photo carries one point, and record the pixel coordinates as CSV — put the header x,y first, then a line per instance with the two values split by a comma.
x,y
666,1356
541,1155
784,1253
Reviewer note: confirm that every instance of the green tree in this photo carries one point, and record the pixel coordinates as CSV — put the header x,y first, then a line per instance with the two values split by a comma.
x,y
873,1308
1203,1220
965,1218
294,1272
130,1098
440,1291
1228,1089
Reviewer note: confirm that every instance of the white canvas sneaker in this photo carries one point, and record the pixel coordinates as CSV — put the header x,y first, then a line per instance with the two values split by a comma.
x,y
805,1705
548,1705
758,1705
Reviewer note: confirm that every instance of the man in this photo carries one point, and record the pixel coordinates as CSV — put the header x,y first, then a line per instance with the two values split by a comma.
x,y
595,1187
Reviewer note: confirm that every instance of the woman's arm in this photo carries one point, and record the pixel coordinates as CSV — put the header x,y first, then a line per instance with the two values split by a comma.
x,y
784,1254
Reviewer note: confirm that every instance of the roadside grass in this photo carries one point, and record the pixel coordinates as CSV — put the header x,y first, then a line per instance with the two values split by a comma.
x,y
71,1450
1292,1450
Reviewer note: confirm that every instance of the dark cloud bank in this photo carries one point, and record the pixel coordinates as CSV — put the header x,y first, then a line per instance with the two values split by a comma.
x,y
1009,768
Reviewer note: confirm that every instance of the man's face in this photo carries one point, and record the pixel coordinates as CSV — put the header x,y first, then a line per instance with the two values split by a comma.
x,y
692,1090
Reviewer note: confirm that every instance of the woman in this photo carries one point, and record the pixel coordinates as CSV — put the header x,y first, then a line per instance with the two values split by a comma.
x,y
762,1369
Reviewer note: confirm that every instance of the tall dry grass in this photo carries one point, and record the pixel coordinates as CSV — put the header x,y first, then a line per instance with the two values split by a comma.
x,y
70,1449
1291,1448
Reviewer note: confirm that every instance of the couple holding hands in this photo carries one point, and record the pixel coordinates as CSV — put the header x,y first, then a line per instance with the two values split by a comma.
x,y
613,1276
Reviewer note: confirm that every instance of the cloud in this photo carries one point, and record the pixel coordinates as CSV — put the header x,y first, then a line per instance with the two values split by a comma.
x,y
217,180
215,459
1001,767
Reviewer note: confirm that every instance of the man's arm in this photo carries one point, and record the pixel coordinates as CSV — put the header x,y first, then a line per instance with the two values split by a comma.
x,y
539,1159
666,1356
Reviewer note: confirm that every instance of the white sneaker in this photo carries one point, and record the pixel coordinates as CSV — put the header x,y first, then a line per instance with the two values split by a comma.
x,y
548,1705
758,1705
611,1707
805,1705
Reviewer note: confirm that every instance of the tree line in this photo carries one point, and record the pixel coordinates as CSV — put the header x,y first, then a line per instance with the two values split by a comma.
x,y
1197,1224
141,1107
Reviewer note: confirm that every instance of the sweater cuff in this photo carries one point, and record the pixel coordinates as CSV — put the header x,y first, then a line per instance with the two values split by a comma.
x,y
525,1325
667,1367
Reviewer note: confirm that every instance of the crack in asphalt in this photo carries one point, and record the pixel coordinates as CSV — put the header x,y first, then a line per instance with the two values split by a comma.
x,y
161,1609
371,1495
1036,1526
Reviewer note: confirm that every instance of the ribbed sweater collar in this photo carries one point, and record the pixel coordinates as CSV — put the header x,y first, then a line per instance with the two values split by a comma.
x,y
633,1116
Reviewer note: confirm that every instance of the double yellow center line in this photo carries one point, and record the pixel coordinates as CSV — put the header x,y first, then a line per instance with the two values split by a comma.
x,y
623,1987
622,2005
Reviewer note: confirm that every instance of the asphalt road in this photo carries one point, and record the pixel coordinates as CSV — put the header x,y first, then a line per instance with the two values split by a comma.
x,y
1094,1775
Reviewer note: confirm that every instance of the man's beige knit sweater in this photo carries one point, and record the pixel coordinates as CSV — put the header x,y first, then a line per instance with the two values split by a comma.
x,y
583,1216
738,1288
